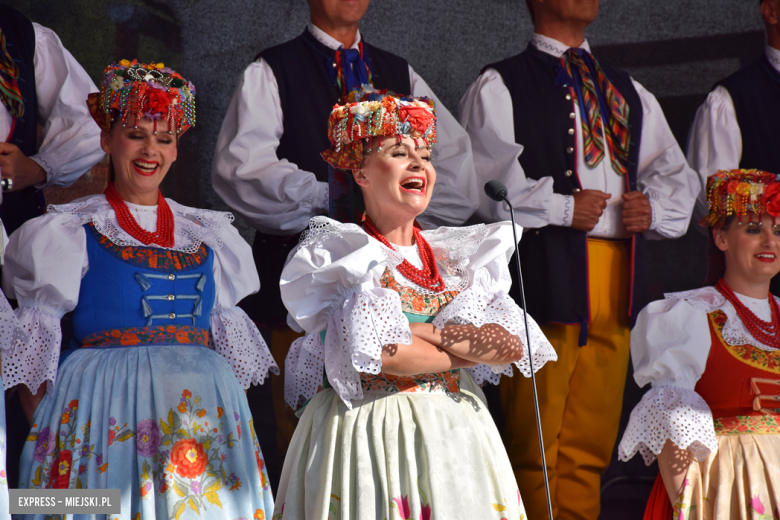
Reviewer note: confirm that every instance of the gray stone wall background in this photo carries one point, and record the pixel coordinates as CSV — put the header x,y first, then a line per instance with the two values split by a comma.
x,y
678,49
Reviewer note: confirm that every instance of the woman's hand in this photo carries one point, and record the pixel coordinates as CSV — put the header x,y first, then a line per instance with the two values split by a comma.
x,y
420,357
29,400
490,344
673,464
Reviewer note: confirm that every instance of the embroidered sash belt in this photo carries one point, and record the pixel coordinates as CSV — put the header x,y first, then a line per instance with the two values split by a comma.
x,y
440,383
146,336
744,424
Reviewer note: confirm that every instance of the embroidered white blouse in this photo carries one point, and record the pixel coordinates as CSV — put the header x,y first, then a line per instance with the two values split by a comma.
x,y
71,143
670,345
47,257
332,283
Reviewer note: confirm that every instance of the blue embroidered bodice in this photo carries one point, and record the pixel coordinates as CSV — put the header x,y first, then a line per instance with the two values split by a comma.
x,y
142,288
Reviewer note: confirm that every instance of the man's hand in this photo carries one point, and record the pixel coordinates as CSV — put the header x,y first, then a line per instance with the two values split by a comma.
x,y
588,207
637,212
16,166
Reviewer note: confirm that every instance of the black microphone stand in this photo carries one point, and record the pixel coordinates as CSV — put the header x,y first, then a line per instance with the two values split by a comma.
x,y
501,194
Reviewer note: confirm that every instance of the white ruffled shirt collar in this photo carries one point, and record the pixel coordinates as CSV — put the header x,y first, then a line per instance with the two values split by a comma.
x,y
552,46
328,40
773,55
192,226
709,299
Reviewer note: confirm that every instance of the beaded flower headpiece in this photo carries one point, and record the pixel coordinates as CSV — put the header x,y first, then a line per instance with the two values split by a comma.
x,y
149,90
369,113
741,192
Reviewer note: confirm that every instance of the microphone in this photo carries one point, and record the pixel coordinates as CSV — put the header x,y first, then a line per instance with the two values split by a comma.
x,y
498,192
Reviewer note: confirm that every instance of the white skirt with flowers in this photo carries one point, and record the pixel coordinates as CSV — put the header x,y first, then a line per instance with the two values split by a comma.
x,y
412,448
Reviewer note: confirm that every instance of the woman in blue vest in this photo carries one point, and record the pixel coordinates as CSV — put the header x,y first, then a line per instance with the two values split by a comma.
x,y
150,397
392,315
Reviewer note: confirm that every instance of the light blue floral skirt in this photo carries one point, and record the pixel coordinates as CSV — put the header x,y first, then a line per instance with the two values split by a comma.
x,y
167,425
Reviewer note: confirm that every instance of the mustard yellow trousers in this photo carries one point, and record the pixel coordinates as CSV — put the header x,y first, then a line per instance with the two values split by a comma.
x,y
580,397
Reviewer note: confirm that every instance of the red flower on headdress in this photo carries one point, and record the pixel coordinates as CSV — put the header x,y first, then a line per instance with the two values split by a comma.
x,y
771,199
158,101
419,117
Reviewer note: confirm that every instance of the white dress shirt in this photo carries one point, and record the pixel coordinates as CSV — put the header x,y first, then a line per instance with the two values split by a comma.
x,y
662,174
715,141
279,198
71,139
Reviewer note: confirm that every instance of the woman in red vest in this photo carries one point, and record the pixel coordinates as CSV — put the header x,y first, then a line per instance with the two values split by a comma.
x,y
712,357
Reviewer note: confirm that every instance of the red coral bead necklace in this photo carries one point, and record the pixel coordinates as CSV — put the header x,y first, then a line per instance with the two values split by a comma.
x,y
429,276
163,237
767,332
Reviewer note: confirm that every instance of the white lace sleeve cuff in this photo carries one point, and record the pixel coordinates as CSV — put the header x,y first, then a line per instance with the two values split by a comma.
x,y
669,413
359,326
475,306
236,338
12,334
35,360
303,369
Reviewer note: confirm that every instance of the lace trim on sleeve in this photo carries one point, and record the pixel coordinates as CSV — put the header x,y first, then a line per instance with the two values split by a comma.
x,y
358,328
34,361
12,334
486,373
303,369
709,299
477,307
236,338
192,226
669,413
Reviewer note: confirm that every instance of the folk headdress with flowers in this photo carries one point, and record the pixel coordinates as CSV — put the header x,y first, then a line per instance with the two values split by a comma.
x,y
369,113
741,193
143,90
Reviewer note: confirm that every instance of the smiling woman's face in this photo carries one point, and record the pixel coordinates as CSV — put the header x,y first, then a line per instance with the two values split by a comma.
x,y
397,179
141,158
752,251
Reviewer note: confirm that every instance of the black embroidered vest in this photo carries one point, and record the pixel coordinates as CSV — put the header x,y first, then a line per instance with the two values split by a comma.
x,y
554,259
20,206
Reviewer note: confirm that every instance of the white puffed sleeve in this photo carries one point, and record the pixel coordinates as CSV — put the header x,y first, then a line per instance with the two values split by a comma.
x,y
331,283
486,299
669,346
233,334
44,263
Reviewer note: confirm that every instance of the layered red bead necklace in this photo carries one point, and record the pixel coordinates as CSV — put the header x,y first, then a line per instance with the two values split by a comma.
x,y
163,237
767,332
427,277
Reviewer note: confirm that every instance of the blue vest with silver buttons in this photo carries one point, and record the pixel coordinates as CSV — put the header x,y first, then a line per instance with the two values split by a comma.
x,y
142,287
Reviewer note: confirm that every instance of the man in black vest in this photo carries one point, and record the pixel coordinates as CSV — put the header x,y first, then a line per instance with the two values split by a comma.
x,y
45,85
592,168
267,164
737,126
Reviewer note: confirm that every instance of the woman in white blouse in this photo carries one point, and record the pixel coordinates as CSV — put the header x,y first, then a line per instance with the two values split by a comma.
x,y
150,396
392,315
712,358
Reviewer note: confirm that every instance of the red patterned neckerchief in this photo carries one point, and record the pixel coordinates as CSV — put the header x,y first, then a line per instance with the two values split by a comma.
x,y
590,94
